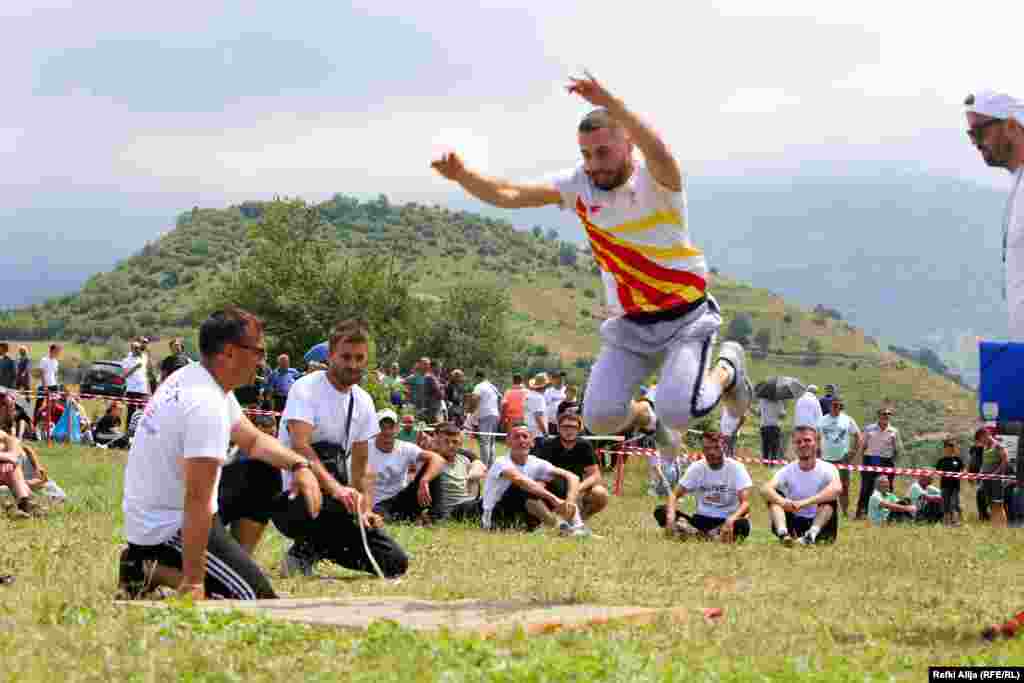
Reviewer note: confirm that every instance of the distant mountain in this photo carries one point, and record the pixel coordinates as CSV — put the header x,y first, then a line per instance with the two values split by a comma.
x,y
50,252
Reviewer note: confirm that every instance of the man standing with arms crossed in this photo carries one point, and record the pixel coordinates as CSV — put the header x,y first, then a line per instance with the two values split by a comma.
x,y
995,124
634,213
834,432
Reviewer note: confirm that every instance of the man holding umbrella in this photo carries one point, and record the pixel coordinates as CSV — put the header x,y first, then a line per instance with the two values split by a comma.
x,y
772,392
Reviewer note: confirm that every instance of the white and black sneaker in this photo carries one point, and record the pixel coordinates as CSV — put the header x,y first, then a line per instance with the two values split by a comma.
x,y
738,396
806,539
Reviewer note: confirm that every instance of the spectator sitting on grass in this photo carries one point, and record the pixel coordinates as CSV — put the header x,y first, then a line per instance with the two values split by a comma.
x,y
722,487
950,461
811,487
926,499
885,507
459,482
516,496
36,475
568,452
395,498
13,476
108,427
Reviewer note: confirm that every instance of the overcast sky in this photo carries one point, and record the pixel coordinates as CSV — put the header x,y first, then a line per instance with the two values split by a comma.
x,y
154,107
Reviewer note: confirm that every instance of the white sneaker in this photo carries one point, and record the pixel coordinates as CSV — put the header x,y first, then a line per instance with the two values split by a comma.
x,y
686,530
297,561
737,398
806,539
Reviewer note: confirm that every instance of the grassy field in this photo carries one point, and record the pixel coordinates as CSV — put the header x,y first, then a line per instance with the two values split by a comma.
x,y
883,604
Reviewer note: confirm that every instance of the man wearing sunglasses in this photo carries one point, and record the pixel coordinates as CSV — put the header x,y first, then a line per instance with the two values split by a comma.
x,y
995,124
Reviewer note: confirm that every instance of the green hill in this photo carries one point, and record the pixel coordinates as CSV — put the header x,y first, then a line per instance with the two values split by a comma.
x,y
555,290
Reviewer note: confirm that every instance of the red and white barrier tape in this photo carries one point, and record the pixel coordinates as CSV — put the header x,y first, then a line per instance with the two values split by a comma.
x,y
900,471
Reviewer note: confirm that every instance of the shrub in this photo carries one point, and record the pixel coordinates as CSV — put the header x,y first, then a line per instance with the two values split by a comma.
x,y
589,293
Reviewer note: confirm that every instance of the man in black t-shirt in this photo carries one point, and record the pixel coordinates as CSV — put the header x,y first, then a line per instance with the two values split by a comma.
x,y
572,454
176,360
950,462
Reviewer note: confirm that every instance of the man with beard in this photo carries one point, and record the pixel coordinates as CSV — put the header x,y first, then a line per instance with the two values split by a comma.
x,y
330,420
722,487
633,209
568,452
807,511
995,124
396,498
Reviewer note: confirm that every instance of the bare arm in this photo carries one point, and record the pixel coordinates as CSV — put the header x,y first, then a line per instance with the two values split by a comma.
x,y
500,193
660,161
768,490
591,477
826,495
572,484
363,476
477,471
200,474
269,450
301,434
532,487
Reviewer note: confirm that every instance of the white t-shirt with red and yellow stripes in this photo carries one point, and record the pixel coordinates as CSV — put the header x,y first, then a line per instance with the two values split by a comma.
x,y
640,240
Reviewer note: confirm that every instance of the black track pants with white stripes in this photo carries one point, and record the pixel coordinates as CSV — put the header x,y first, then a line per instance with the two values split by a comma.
x,y
230,572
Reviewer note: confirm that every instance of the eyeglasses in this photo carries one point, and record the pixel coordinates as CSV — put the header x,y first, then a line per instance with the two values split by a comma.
x,y
261,350
977,132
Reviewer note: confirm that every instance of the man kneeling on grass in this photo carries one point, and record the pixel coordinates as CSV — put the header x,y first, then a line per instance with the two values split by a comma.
x,y
515,494
575,455
722,487
175,537
811,487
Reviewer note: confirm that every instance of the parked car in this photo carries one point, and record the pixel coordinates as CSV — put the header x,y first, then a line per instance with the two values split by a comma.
x,y
104,378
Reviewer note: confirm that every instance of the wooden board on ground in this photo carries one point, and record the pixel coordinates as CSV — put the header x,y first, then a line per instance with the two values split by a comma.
x,y
480,617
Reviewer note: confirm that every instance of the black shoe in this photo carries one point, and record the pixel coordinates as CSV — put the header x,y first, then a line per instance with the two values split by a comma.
x,y
131,578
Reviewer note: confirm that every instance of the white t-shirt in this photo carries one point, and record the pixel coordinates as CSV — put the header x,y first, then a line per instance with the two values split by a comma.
x,y
1014,227
315,401
392,469
190,416
807,412
798,484
771,412
535,405
640,239
716,490
488,399
138,381
835,435
49,367
534,468
553,396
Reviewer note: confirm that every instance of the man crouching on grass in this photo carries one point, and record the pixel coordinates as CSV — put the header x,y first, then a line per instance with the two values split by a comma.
x,y
515,494
175,536
722,487
807,512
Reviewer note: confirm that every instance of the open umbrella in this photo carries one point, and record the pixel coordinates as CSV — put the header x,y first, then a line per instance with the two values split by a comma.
x,y
317,353
19,400
779,388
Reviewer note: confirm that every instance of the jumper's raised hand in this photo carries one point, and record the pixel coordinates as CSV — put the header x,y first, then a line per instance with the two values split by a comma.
x,y
590,89
449,165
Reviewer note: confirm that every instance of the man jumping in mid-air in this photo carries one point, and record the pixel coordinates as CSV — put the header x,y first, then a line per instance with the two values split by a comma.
x,y
633,209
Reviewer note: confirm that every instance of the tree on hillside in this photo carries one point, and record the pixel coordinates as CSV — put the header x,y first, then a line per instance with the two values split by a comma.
x,y
293,278
552,235
468,328
538,232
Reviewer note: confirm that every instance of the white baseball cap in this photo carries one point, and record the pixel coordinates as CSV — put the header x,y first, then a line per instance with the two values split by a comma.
x,y
387,414
996,104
